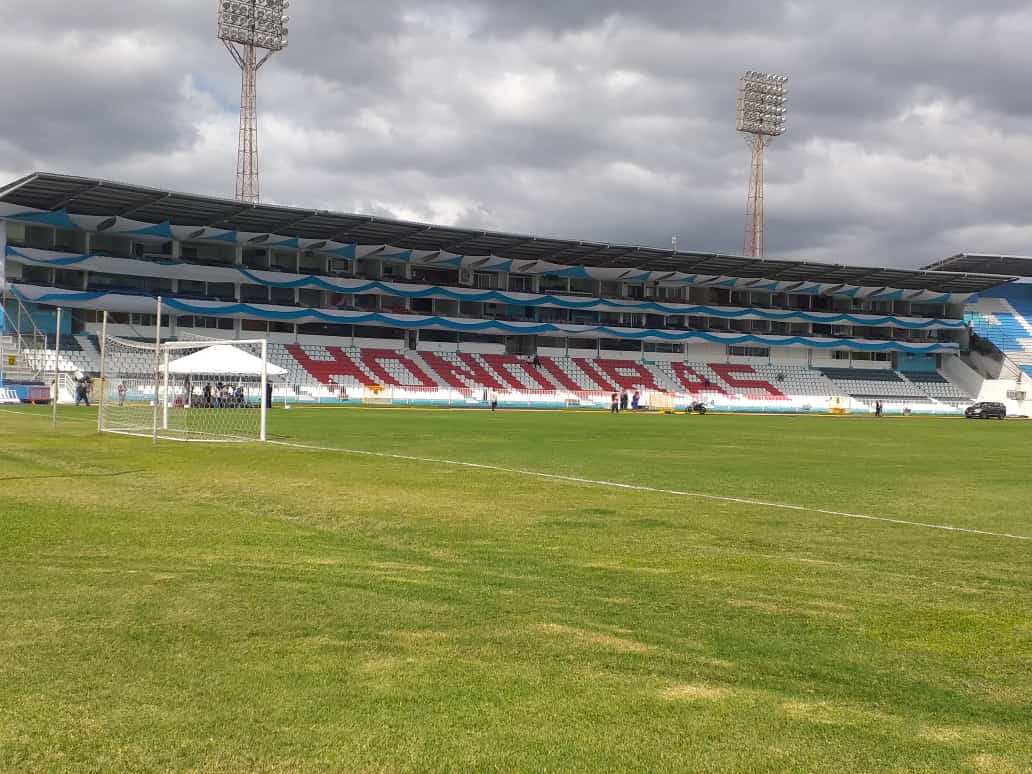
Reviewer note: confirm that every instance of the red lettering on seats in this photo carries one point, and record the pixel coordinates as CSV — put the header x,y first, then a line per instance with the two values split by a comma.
x,y
729,373
693,381
325,370
503,365
454,375
559,375
617,370
373,359
585,365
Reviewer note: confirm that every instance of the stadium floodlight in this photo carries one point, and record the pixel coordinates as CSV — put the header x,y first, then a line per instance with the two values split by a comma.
x,y
245,27
762,116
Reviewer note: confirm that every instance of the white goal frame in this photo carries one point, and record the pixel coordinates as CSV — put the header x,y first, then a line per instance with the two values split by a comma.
x,y
155,416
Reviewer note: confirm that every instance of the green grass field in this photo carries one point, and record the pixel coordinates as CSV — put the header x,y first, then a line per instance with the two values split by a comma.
x,y
235,608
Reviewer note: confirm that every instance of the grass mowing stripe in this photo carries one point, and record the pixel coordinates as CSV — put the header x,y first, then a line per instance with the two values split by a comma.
x,y
654,490
618,485
253,607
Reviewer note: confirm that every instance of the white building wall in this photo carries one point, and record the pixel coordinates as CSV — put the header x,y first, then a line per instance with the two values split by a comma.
x,y
990,389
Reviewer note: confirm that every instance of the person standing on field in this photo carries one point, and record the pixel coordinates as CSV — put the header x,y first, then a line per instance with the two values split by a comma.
x,y
82,391
493,398
121,393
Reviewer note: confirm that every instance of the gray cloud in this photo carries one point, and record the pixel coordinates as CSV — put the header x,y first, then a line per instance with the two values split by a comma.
x,y
577,118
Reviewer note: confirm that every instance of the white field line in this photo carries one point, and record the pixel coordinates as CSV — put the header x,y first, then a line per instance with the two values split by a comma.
x,y
619,485
61,417
650,489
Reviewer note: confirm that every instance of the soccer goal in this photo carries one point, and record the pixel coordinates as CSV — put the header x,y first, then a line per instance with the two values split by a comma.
x,y
661,401
211,390
378,396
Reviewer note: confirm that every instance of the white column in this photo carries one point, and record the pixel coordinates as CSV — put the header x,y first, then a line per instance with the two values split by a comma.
x,y
265,381
102,380
157,369
164,394
57,372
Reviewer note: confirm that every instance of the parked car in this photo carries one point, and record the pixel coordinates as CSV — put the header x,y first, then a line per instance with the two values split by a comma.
x,y
986,410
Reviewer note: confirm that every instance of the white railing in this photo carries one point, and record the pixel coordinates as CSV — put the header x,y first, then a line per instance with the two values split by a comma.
x,y
320,394
34,339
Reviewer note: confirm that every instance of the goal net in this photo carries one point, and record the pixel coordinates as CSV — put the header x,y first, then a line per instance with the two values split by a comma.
x,y
661,401
378,396
210,390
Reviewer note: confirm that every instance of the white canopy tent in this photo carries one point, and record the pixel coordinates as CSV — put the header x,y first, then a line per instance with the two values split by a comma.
x,y
223,360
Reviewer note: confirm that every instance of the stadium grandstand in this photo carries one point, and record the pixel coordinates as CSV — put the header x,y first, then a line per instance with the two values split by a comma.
x,y
1001,315
367,309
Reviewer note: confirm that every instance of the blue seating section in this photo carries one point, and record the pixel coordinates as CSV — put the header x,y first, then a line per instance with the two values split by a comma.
x,y
1004,329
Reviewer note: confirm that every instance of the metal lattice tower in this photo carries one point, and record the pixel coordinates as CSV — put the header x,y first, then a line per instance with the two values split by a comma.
x,y
761,117
245,28
248,184
754,203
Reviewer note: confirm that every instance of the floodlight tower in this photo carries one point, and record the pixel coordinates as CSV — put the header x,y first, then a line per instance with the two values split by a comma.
x,y
761,117
245,28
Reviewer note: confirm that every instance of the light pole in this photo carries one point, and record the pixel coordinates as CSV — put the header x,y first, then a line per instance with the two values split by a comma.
x,y
762,99
246,28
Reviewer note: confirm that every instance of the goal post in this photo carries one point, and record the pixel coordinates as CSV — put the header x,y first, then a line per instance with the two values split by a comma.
x,y
213,390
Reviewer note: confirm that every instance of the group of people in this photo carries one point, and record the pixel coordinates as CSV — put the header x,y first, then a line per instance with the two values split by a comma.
x,y
222,395
619,401
219,395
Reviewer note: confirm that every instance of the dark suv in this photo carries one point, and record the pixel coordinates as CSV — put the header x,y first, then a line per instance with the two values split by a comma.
x,y
986,410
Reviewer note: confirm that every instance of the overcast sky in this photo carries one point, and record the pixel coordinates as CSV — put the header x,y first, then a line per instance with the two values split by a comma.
x,y
909,131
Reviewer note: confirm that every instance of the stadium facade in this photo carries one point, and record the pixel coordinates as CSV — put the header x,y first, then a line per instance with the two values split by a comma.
x,y
357,305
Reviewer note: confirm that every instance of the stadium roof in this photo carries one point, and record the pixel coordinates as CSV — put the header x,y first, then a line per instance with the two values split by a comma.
x,y
91,196
1015,265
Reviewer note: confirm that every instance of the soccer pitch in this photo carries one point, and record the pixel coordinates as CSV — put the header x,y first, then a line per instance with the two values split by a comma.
x,y
248,607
